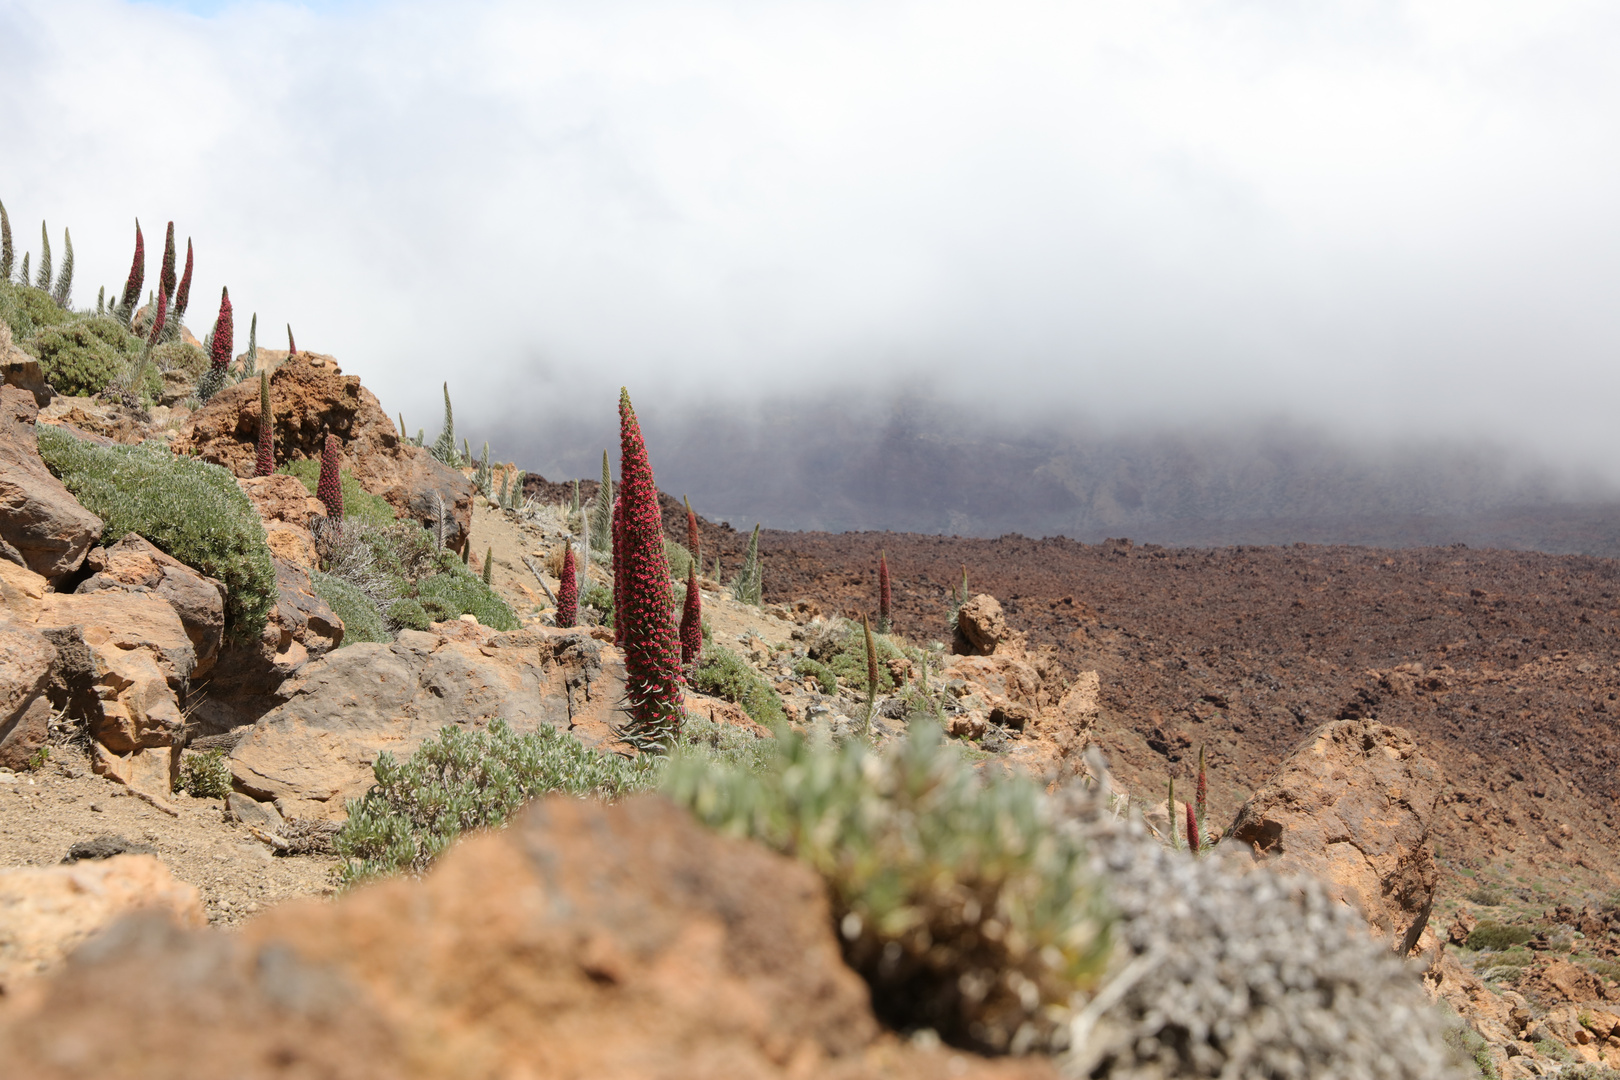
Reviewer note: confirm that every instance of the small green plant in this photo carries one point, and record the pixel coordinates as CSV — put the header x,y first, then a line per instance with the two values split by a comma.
x,y
361,619
38,759
749,585
1490,934
815,669
1485,896
444,447
191,509
841,649
599,598
955,894
465,780
456,591
723,674
1469,1046
204,775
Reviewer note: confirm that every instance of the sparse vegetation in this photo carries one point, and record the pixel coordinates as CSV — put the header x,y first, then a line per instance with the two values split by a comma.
x,y
724,674
84,356
189,508
361,619
1490,934
204,775
840,648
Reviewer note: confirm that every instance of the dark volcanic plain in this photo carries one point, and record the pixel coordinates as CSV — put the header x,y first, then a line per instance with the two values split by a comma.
x,y
1502,662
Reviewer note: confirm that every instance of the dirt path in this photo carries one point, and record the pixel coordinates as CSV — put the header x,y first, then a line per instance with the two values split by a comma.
x,y
44,813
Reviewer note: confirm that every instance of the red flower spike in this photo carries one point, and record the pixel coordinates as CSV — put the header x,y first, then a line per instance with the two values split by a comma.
x,y
166,278
618,577
1203,785
292,347
568,591
137,272
652,658
692,620
1192,830
182,297
266,462
883,593
694,541
159,318
330,487
224,340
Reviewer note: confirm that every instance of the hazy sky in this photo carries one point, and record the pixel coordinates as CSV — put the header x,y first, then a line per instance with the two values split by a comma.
x,y
1379,217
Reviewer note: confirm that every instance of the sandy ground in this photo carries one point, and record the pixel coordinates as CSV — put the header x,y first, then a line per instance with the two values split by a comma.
x,y
44,813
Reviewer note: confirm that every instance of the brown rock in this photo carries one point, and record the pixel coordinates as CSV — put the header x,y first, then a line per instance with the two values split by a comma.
x,y
287,508
41,524
1560,980
585,941
47,912
19,369
134,565
309,397
27,660
1352,806
980,627
316,749
1461,927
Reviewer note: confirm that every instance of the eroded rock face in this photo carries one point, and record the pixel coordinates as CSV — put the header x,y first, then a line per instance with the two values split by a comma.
x,y
310,397
47,912
316,749
286,507
585,940
980,627
42,526
1352,806
27,659
135,566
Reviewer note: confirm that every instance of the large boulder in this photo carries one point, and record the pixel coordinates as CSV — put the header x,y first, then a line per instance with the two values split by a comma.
x,y
42,526
980,627
287,509
1353,806
316,750
584,941
134,565
27,660
309,397
47,912
19,369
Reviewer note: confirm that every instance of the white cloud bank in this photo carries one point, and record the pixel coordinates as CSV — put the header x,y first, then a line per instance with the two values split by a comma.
x,y
1386,217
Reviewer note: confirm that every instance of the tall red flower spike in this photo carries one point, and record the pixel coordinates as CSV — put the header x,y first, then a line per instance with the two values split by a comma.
x,y
1192,830
694,541
329,489
568,590
883,592
166,277
692,620
137,273
1203,785
224,340
292,347
182,296
652,657
266,463
159,318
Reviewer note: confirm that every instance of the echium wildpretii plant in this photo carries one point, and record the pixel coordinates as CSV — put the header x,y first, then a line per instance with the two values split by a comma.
x,y
292,346
871,675
166,279
692,619
250,366
483,479
23,275
749,587
182,298
568,590
694,539
43,281
7,252
220,345
489,565
618,578
652,657
62,292
329,489
444,447
885,622
266,462
137,277
602,509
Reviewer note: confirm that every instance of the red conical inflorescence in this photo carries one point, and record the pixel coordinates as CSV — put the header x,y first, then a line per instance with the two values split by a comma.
x,y
159,317
137,273
292,346
1202,793
692,620
652,658
166,276
694,541
1192,830
182,296
618,577
883,592
266,463
568,590
223,342
329,489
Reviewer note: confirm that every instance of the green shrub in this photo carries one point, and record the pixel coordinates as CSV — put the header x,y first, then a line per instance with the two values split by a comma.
x,y
26,309
361,620
841,648
189,508
1495,935
599,598
1486,896
408,615
724,674
181,356
358,504
204,775
823,674
956,896
83,356
1470,1047
680,560
466,780
456,591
